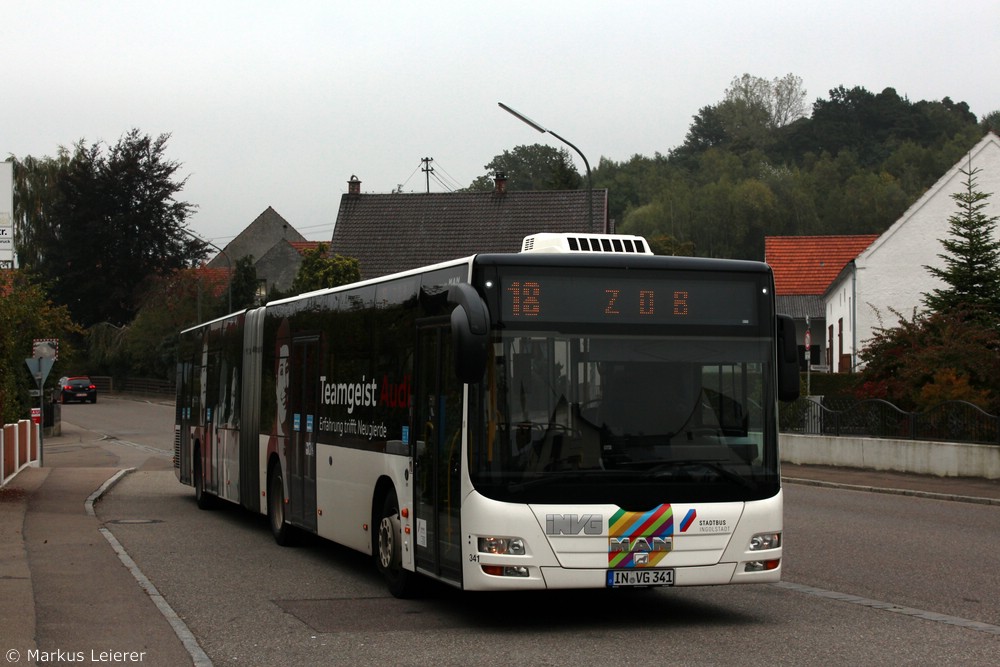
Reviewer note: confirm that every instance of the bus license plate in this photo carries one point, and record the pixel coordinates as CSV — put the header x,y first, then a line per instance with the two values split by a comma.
x,y
624,578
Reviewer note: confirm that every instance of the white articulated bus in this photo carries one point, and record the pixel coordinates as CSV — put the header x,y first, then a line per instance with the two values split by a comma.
x,y
581,414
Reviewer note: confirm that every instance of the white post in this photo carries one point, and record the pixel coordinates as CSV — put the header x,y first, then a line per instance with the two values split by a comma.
x,y
17,448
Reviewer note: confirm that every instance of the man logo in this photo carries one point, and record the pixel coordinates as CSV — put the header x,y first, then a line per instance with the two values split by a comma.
x,y
640,547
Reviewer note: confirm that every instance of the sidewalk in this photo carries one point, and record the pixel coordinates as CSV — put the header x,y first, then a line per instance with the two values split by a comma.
x,y
64,588
65,596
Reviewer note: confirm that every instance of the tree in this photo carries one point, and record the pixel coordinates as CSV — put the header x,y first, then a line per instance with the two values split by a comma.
x,y
147,346
319,271
751,110
535,167
933,357
778,101
25,314
991,122
99,222
634,182
971,269
708,130
243,283
36,187
668,245
788,100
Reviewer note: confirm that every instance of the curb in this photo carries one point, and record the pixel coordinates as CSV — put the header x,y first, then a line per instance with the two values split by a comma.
x,y
953,497
184,634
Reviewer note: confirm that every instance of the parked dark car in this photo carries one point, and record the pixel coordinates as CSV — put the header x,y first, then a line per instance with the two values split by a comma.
x,y
78,388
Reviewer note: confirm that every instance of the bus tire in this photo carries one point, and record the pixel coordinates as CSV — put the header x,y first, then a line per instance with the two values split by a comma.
x,y
388,550
282,530
202,498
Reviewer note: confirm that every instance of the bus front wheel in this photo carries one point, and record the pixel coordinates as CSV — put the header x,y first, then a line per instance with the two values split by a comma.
x,y
388,551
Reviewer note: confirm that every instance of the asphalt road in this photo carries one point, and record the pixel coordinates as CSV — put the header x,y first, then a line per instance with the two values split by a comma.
x,y
868,579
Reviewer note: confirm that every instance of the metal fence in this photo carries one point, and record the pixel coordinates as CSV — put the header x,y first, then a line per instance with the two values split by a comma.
x,y
141,386
951,421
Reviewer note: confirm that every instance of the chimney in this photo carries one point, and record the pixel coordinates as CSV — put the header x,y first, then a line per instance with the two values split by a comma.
x,y
500,183
354,186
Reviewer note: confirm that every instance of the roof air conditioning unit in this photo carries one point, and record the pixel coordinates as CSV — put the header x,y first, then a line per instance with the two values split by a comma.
x,y
594,243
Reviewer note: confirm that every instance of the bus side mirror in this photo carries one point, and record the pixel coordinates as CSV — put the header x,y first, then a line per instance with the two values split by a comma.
x,y
788,362
470,332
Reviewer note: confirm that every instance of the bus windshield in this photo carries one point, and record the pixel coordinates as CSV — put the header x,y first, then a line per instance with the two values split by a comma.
x,y
633,420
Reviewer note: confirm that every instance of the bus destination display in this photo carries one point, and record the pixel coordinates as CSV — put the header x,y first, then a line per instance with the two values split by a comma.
x,y
629,300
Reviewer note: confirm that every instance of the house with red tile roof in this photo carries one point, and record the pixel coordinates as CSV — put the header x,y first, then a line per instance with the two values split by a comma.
x,y
888,279
213,281
804,267
850,286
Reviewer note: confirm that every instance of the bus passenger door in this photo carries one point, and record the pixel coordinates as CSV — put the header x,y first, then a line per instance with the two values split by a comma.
x,y
303,392
437,456
185,418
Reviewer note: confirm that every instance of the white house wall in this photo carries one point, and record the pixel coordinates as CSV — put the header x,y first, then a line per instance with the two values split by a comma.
x,y
890,275
840,316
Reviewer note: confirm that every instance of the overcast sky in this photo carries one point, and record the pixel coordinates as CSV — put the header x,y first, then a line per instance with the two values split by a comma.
x,y
280,103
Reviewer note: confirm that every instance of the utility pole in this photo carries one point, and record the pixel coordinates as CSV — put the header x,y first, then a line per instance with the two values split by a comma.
x,y
428,170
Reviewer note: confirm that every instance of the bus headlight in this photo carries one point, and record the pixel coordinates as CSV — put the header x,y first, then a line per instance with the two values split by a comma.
x,y
513,546
765,541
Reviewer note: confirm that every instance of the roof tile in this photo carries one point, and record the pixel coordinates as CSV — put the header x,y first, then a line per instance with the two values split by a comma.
x,y
806,265
387,233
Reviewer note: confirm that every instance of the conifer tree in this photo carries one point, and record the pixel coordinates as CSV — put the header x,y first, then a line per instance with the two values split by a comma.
x,y
971,271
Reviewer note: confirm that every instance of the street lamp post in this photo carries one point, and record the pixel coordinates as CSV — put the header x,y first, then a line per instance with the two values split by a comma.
x,y
590,185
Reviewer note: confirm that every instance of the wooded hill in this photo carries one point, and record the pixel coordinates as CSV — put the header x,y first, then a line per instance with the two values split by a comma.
x,y
748,168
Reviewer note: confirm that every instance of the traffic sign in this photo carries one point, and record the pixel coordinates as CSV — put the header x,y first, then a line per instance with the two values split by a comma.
x,y
45,347
40,367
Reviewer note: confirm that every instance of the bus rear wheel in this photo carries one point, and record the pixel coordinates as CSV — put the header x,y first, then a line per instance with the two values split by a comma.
x,y
388,550
281,529
204,500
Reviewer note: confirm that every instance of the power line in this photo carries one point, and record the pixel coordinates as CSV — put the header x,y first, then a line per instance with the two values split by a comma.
x,y
448,182
455,185
400,188
446,186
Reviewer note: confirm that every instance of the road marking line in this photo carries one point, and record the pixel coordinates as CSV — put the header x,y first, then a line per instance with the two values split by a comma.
x,y
146,448
198,656
894,608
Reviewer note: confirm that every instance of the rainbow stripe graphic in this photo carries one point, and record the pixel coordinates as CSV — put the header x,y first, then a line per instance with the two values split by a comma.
x,y
640,539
